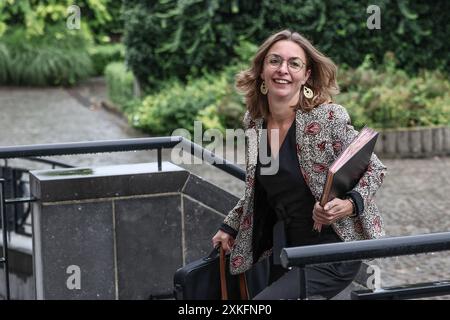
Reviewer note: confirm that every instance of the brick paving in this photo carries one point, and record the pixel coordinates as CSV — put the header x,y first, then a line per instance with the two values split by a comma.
x,y
415,199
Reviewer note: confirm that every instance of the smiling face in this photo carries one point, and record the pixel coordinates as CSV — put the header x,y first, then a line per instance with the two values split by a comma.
x,y
284,70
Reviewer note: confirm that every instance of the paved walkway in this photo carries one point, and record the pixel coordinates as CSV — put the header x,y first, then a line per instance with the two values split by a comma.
x,y
414,199
53,115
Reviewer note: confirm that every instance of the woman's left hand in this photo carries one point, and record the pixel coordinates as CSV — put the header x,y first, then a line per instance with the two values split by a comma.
x,y
332,211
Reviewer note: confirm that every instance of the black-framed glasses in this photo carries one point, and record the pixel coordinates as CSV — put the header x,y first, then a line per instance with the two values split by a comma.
x,y
294,64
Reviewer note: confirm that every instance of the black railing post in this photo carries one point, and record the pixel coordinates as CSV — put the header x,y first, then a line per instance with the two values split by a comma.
x,y
302,277
5,236
159,159
14,195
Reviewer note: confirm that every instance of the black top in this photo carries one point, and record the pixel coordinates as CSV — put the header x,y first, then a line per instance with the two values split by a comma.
x,y
290,197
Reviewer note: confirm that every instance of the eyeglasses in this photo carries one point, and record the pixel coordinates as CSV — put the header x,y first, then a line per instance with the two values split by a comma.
x,y
294,64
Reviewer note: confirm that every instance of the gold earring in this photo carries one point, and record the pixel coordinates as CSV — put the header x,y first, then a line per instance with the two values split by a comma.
x,y
307,92
263,88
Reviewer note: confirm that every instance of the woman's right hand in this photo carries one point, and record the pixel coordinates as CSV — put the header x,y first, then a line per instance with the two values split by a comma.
x,y
223,238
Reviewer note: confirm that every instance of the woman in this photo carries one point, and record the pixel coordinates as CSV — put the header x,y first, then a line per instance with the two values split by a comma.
x,y
288,90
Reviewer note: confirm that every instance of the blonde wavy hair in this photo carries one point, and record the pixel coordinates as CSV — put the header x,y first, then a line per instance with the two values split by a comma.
x,y
322,79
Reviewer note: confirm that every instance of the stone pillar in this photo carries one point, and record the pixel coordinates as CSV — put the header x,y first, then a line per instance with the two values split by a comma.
x,y
427,141
446,140
390,142
120,232
438,141
415,142
403,142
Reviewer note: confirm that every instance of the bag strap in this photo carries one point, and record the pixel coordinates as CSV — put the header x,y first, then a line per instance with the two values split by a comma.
x,y
223,279
243,286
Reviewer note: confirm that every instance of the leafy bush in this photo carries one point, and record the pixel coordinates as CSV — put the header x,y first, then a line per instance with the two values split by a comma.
x,y
180,38
102,55
210,99
384,98
389,98
101,17
5,62
37,48
120,84
57,58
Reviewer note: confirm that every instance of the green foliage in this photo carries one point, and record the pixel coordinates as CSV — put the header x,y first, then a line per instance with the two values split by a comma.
x,y
102,55
210,99
101,17
5,63
245,50
390,98
104,18
167,38
384,98
179,38
37,48
120,83
56,58
209,118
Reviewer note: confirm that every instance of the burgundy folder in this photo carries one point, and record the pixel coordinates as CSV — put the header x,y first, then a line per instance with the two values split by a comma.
x,y
349,167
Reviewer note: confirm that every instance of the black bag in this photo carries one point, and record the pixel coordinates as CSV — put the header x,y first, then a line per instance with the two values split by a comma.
x,y
200,279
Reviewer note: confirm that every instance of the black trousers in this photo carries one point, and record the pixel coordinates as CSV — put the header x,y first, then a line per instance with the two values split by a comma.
x,y
324,281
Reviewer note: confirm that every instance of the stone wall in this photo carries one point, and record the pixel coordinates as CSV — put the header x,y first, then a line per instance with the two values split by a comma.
x,y
413,143
120,232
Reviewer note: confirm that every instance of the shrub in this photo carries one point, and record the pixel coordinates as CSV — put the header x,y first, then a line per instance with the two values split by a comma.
x,y
102,17
102,55
57,58
210,99
180,38
120,84
391,99
386,98
5,63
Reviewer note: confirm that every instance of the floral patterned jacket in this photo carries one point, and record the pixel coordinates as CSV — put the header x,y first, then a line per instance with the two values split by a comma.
x,y
321,135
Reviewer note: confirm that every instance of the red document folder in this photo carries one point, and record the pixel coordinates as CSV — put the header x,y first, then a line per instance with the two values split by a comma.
x,y
349,167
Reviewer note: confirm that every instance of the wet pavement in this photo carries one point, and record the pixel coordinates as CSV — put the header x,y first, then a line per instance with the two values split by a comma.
x,y
414,198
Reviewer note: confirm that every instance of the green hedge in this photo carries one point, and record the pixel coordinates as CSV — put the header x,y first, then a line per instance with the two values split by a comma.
x,y
181,38
101,17
120,84
392,99
57,58
5,63
102,55
387,98
210,99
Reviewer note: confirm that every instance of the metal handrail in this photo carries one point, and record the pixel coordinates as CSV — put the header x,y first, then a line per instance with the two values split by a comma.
x,y
83,147
417,290
52,162
4,220
297,256
358,250
46,161
57,149
365,249
31,152
19,224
